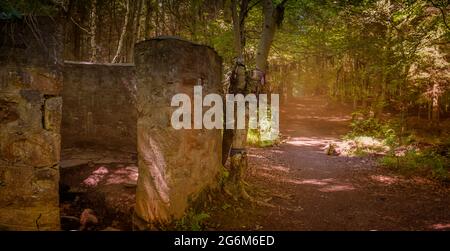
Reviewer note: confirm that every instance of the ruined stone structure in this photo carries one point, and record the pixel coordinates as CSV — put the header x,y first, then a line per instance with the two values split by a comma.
x,y
30,117
99,106
174,165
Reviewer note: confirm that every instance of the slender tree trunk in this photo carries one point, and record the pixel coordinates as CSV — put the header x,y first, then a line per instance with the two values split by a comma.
x,y
272,16
79,14
93,30
148,18
76,43
435,103
157,14
116,58
111,4
162,20
384,80
234,140
235,83
237,40
429,110
135,29
138,24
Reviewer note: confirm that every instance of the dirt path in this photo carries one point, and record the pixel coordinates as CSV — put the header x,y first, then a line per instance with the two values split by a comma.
x,y
304,189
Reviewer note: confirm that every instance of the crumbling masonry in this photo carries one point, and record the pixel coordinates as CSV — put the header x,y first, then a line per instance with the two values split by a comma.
x,y
126,107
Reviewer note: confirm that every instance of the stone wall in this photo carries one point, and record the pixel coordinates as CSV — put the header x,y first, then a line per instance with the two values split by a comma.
x,y
103,109
99,106
174,165
30,117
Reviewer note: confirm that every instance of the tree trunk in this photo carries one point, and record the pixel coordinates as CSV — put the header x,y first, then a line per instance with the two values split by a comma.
x,y
237,138
157,15
384,80
435,103
93,30
148,19
138,33
272,15
238,24
116,58
135,28
76,43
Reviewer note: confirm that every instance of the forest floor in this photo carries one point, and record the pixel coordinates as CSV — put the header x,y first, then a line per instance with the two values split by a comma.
x,y
296,184
300,187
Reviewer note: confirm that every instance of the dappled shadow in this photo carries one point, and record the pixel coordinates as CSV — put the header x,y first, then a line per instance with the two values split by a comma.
x,y
322,185
300,187
109,189
102,180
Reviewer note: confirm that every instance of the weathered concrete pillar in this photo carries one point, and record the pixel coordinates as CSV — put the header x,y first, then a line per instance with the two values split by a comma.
x,y
174,165
30,117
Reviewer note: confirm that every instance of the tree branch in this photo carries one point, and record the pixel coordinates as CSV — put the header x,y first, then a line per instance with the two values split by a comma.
x,y
442,12
248,10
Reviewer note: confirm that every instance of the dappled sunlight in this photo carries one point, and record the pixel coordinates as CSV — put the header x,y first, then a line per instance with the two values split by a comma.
x,y
337,188
324,118
123,175
310,141
388,180
319,182
276,168
255,156
276,151
324,185
96,177
441,226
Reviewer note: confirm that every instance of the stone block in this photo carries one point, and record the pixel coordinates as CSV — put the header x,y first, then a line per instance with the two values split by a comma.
x,y
30,111
53,114
174,165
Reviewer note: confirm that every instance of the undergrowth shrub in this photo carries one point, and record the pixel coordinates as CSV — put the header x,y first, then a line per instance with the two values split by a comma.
x,y
369,135
362,125
254,139
192,221
429,163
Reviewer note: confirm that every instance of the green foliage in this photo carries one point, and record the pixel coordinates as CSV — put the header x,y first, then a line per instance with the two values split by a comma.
x,y
366,127
254,139
19,8
372,127
362,146
369,135
226,206
264,127
380,54
427,162
223,176
192,221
